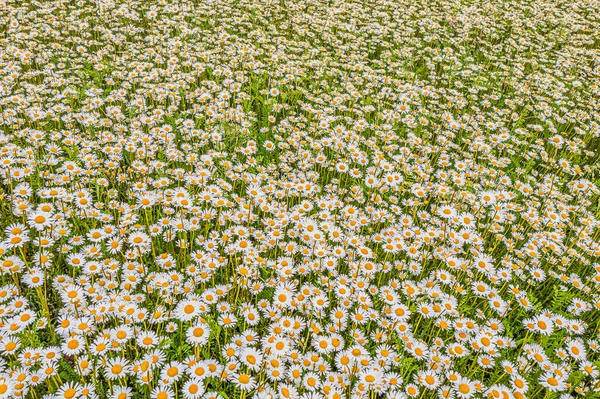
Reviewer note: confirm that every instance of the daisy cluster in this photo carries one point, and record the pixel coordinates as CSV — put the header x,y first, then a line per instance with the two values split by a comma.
x,y
299,199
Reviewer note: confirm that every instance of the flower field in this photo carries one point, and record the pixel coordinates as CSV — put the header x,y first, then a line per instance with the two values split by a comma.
x,y
379,199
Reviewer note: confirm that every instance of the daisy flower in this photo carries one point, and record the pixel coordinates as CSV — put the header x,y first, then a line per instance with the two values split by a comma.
x,y
193,389
121,392
162,392
116,368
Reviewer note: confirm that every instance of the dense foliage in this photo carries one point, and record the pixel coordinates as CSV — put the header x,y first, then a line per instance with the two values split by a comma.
x,y
299,199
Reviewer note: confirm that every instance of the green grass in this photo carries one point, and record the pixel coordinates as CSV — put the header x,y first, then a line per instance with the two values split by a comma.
x,y
297,173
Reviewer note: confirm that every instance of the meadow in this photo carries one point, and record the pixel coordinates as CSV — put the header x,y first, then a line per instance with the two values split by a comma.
x,y
275,199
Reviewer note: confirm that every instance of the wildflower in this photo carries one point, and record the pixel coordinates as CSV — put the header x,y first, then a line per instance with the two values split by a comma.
x,y
68,391
543,324
589,368
147,339
116,368
7,386
121,392
188,309
287,391
198,334
252,358
412,390
519,383
576,349
40,220
553,382
464,388
139,239
171,372
243,381
73,345
193,389
429,380
447,212
162,392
